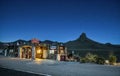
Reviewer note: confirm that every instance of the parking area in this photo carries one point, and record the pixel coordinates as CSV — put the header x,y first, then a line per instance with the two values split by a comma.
x,y
58,68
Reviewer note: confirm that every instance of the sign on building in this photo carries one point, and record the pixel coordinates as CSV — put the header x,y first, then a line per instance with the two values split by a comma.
x,y
53,47
34,40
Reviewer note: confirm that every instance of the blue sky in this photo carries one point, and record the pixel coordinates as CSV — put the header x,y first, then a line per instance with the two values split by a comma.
x,y
60,20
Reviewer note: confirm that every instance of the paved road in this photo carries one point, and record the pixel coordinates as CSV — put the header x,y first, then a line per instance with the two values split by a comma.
x,y
10,72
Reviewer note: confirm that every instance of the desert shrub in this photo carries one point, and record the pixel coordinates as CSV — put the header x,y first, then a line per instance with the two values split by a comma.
x,y
91,58
83,60
100,60
112,59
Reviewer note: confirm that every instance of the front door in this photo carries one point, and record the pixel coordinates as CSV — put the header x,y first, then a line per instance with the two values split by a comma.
x,y
26,52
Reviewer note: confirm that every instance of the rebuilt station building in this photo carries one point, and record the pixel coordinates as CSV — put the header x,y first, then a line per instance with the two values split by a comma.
x,y
37,50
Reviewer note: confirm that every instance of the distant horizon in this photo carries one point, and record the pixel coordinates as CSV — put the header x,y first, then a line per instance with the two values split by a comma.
x,y
60,20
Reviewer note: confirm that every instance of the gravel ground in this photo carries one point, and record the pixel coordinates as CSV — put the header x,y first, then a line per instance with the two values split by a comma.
x,y
57,68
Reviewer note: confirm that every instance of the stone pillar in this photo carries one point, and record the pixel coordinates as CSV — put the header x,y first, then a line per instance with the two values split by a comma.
x,y
5,52
33,53
65,50
45,54
58,57
66,53
20,52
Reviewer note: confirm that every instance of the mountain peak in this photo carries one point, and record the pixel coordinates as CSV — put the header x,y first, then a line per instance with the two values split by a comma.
x,y
82,37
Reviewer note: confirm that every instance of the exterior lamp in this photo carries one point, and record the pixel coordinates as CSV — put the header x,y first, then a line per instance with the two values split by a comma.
x,y
38,51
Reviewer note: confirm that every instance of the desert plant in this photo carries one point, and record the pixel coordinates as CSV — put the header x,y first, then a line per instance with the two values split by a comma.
x,y
112,59
83,60
100,60
90,57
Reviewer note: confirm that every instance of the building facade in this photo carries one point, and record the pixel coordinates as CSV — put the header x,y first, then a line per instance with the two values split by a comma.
x,y
35,49
43,51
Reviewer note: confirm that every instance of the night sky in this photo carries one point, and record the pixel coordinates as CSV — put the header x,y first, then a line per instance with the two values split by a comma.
x,y
60,20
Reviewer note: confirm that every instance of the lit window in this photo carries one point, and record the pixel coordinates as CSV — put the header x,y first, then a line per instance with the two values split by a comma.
x,y
51,51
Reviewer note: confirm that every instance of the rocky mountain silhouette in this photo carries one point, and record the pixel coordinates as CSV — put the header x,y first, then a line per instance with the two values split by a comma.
x,y
83,42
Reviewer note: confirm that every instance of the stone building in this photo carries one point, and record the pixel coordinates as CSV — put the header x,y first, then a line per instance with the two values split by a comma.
x,y
37,50
34,49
